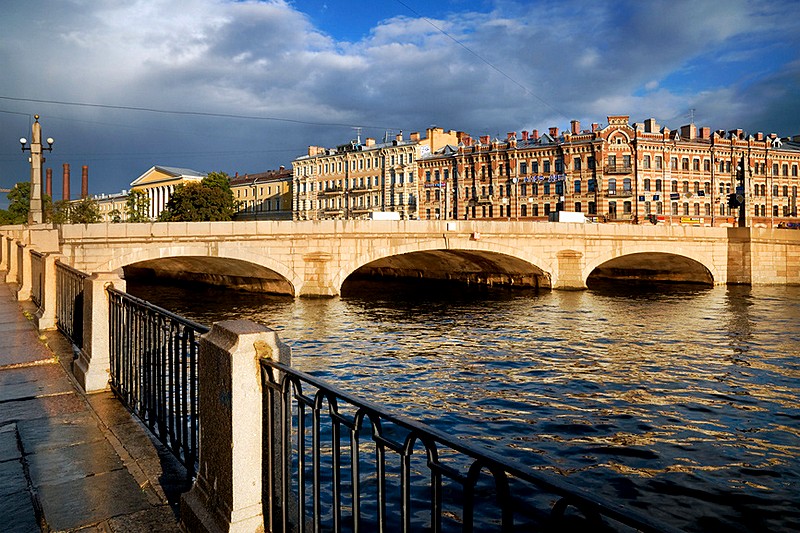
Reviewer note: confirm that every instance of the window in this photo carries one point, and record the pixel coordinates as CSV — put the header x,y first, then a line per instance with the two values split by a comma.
x,y
523,210
535,167
685,163
707,165
673,163
774,210
427,176
626,161
686,209
536,210
559,165
685,187
697,210
612,185
577,185
590,162
785,169
546,188
523,168
774,190
786,190
577,207
794,171
626,208
646,184
576,163
592,208
659,162
696,164
546,209
626,185
658,185
547,167
646,161
674,208
775,169
674,186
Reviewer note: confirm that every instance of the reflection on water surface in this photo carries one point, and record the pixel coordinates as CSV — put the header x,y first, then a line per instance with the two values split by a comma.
x,y
681,399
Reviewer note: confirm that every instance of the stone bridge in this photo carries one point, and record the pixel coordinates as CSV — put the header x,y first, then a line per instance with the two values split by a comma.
x,y
315,258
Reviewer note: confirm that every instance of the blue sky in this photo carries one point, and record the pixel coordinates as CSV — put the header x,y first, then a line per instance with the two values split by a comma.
x,y
246,86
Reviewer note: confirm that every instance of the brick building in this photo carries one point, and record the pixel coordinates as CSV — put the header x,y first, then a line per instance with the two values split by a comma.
x,y
263,196
618,173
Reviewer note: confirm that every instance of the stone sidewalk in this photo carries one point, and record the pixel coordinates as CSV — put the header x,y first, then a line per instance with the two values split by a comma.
x,y
70,461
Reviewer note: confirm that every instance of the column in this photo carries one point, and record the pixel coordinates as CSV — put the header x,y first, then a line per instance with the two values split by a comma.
x,y
92,368
45,317
226,495
23,272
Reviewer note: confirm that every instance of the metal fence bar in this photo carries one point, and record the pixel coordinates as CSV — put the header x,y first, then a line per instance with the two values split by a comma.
x,y
154,370
461,478
69,302
37,278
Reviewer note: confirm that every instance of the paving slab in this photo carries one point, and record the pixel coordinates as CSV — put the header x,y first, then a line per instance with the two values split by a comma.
x,y
30,381
17,514
12,477
91,500
61,404
60,465
59,432
9,449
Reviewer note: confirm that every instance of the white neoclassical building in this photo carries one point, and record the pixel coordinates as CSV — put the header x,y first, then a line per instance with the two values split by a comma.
x,y
159,183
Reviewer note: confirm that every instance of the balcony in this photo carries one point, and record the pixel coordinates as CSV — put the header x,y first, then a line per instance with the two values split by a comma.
x,y
619,169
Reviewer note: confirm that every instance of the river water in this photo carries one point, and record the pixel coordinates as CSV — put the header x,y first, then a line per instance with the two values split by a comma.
x,y
683,401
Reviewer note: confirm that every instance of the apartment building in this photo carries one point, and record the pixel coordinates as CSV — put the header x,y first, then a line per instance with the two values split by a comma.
x,y
621,172
356,179
263,196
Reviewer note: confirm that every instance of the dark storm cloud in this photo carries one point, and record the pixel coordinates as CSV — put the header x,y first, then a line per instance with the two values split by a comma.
x,y
521,65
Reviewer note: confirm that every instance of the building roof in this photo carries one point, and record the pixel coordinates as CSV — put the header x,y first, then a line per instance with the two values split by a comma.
x,y
261,177
159,174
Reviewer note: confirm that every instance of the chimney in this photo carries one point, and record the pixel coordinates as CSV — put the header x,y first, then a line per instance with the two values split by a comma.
x,y
65,189
650,126
84,181
399,137
282,168
369,141
511,135
524,135
535,135
760,136
554,132
576,127
48,189
466,140
415,136
595,127
689,131
705,132
484,139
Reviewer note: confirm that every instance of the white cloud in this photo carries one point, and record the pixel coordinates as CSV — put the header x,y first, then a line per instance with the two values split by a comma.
x,y
522,65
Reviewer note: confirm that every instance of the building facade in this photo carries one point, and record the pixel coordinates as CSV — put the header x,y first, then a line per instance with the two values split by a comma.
x,y
159,183
358,179
617,173
113,207
263,196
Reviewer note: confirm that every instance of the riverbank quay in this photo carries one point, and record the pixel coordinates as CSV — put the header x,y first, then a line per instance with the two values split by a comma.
x,y
71,461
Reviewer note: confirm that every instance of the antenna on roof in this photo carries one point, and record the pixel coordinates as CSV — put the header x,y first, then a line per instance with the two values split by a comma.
x,y
691,115
358,134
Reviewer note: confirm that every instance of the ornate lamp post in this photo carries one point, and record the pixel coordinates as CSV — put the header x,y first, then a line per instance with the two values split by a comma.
x,y
36,211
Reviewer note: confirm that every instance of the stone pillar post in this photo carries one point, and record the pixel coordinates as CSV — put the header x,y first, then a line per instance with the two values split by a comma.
x,y
3,253
11,272
92,367
46,314
23,272
226,496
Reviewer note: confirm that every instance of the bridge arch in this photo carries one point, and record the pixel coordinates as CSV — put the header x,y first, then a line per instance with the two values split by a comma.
x,y
233,267
656,263
455,261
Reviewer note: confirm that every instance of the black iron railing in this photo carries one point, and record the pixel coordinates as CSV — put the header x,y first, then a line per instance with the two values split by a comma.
x,y
334,462
153,355
37,277
69,302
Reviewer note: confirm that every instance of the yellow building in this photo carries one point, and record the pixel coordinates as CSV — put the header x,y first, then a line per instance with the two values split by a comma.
x,y
159,183
355,180
263,196
112,206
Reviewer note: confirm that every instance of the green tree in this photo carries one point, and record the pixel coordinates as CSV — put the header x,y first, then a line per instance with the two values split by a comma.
x,y
19,204
85,211
59,213
211,199
116,215
137,206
